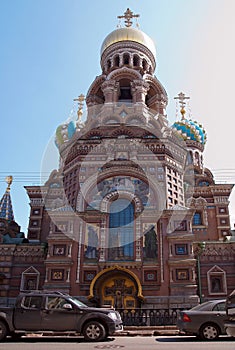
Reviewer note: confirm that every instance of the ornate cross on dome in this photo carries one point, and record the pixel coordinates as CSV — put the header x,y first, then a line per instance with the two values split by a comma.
x,y
181,97
9,180
80,99
128,15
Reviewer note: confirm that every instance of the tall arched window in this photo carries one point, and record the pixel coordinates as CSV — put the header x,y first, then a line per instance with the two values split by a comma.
x,y
121,230
117,61
135,61
126,58
197,219
125,94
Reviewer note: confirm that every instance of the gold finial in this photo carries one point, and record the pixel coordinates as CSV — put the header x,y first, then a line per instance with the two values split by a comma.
x,y
80,99
128,15
9,180
181,97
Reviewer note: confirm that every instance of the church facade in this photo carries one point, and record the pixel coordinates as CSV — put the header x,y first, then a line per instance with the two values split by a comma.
x,y
131,218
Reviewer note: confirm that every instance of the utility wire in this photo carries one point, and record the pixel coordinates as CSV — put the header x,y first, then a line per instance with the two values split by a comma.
x,y
220,175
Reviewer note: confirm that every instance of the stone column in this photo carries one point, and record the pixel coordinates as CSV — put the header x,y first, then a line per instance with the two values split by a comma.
x,y
139,90
131,60
138,239
109,88
121,60
103,232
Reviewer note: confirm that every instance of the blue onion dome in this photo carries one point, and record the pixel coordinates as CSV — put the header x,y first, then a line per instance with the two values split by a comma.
x,y
190,130
65,132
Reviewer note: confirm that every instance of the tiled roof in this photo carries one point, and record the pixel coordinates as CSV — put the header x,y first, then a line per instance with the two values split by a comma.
x,y
6,210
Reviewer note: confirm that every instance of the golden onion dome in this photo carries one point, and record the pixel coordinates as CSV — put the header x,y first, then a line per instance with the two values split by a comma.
x,y
129,34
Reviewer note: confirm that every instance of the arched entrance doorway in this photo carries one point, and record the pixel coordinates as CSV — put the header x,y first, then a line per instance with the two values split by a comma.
x,y
117,287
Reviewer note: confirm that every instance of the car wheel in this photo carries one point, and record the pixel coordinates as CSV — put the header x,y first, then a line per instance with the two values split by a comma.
x,y
3,331
94,331
209,331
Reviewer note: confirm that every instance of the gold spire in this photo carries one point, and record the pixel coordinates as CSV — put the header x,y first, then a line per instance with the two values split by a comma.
x,y
128,15
80,99
182,97
9,180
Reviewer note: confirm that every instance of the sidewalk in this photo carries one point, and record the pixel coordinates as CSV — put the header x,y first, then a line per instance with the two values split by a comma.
x,y
129,331
147,331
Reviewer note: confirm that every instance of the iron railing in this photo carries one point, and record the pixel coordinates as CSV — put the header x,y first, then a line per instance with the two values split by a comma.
x,y
149,317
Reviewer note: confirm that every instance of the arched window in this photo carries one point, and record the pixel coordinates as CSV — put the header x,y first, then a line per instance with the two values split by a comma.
x,y
145,64
117,61
125,91
189,158
135,61
126,58
109,64
197,219
121,230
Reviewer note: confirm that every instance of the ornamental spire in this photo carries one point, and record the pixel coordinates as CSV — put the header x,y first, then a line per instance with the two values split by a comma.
x,y
128,15
6,210
182,98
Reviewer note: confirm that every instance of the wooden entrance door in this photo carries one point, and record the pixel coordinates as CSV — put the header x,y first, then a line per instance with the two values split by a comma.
x,y
120,292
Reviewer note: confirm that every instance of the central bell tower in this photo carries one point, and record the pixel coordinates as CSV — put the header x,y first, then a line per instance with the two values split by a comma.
x,y
128,62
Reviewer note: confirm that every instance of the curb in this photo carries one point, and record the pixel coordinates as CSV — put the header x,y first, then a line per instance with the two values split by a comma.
x,y
147,331
128,331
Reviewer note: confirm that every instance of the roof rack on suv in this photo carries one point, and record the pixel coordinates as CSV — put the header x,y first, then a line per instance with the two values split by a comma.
x,y
44,292
60,293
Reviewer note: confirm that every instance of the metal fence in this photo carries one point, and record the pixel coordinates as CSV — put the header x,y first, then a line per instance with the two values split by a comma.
x,y
149,317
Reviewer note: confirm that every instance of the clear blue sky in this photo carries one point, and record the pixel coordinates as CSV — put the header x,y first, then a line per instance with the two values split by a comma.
x,y
50,52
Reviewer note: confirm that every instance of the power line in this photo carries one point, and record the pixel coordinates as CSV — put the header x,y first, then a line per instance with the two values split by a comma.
x,y
220,175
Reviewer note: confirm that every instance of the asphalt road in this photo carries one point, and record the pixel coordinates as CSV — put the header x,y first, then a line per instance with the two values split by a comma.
x,y
125,343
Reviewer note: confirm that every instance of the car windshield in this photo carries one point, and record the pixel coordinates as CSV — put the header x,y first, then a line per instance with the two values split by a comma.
x,y
77,302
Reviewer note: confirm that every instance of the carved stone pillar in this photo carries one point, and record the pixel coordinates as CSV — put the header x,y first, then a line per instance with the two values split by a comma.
x,y
139,90
103,233
110,88
121,60
138,247
131,60
81,229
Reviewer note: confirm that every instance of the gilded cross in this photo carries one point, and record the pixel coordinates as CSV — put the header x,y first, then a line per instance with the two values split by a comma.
x,y
182,97
128,15
9,180
80,99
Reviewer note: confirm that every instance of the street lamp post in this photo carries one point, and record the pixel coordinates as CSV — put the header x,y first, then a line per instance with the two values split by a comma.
x,y
201,247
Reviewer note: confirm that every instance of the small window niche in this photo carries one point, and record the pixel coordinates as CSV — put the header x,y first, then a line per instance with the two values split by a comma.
x,y
216,279
182,274
30,279
181,249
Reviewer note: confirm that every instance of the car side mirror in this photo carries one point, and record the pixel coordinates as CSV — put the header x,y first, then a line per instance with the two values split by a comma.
x,y
67,306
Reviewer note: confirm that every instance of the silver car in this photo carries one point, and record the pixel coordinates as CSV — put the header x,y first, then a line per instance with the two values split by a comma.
x,y
229,324
204,320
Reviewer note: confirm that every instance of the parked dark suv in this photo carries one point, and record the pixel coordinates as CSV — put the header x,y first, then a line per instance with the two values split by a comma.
x,y
43,312
229,323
